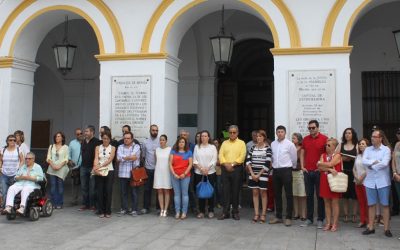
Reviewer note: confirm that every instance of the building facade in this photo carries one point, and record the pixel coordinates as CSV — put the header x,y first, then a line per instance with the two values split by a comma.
x,y
151,62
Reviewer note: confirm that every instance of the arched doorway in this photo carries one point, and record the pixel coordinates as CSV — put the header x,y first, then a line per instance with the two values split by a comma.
x,y
245,92
375,70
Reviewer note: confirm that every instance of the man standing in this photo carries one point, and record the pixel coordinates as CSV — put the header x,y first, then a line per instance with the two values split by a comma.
x,y
126,129
253,140
313,147
87,180
231,158
284,155
74,162
128,156
376,159
149,150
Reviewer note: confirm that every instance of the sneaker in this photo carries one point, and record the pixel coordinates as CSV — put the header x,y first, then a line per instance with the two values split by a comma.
x,y
288,222
21,210
121,212
7,210
320,224
134,213
210,215
275,221
144,211
307,223
84,208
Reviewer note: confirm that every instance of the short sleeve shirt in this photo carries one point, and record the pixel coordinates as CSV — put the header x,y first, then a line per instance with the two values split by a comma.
x,y
313,149
180,161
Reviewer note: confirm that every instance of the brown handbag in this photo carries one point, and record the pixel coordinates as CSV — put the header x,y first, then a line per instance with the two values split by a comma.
x,y
139,177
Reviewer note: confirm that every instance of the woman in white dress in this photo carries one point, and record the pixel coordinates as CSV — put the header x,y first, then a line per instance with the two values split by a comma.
x,y
162,175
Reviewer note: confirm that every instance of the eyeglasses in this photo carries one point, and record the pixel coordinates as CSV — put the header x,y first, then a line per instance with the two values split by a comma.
x,y
104,152
11,139
78,134
28,158
232,132
374,136
312,128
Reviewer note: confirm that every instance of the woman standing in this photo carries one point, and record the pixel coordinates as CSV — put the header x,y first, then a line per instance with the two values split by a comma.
x,y
23,148
180,163
348,150
330,163
104,171
258,164
204,161
299,190
360,172
57,158
10,160
162,176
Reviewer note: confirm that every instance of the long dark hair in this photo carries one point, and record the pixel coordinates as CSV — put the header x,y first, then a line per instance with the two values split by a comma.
x,y
354,138
209,137
62,136
176,145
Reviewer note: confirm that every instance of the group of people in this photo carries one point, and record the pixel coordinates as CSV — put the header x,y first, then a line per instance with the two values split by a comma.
x,y
300,166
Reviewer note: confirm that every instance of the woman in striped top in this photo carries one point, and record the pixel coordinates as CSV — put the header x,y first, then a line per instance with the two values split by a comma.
x,y
258,164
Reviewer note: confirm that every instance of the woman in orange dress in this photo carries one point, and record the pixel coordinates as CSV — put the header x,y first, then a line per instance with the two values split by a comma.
x,y
330,163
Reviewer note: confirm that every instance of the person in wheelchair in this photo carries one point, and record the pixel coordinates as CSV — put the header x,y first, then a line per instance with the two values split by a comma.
x,y
27,179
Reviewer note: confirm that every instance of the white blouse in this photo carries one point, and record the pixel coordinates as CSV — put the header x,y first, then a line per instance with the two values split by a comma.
x,y
205,156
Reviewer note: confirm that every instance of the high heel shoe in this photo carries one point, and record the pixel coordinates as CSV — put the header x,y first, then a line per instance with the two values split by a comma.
x,y
263,218
255,218
162,213
334,228
327,227
165,213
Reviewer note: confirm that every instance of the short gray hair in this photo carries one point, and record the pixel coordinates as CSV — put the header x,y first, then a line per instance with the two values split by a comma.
x,y
233,126
31,154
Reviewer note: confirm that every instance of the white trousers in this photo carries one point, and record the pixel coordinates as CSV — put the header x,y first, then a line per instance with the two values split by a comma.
x,y
14,190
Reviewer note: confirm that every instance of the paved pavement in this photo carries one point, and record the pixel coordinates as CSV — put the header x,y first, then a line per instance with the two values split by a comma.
x,y
71,229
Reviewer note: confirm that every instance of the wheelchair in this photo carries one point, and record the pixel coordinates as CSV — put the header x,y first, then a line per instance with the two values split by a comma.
x,y
37,204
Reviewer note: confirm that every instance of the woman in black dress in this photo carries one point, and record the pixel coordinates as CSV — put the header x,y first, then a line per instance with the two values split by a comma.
x,y
348,150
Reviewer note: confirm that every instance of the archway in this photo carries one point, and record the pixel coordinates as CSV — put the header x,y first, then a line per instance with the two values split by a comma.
x,y
375,69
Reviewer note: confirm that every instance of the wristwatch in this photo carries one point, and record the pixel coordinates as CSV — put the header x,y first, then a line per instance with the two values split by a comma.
x,y
233,165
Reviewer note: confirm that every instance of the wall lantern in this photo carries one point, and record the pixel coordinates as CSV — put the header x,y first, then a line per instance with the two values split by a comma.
x,y
64,53
222,46
396,34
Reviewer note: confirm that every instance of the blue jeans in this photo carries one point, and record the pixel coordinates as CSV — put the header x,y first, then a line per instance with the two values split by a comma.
x,y
125,188
57,190
6,182
311,180
88,187
181,194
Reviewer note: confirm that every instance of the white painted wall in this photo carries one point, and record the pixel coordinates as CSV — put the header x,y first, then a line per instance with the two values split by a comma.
x,y
374,50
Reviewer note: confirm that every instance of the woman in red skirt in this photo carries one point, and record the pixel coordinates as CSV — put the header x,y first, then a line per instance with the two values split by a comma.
x,y
330,163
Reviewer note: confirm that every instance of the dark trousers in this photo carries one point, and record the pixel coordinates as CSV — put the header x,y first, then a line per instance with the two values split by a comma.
x,y
311,180
88,187
104,187
202,202
218,189
270,194
125,189
148,189
282,178
192,193
231,182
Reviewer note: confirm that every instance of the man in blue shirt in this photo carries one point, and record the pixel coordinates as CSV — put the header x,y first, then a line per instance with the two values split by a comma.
x,y
74,162
376,160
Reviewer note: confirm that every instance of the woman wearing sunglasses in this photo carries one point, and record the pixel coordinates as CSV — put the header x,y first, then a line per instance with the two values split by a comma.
x,y
57,158
330,163
10,160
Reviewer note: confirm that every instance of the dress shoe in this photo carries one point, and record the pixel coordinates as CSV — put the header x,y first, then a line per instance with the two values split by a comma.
x,y
236,216
368,231
223,217
288,222
388,233
275,221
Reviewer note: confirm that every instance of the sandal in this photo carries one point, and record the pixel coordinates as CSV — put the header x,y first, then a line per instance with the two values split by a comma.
x,y
354,218
334,228
183,216
346,219
263,218
255,218
200,216
296,218
327,227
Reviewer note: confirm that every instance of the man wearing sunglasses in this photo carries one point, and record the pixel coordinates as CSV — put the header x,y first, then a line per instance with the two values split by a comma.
x,y
313,147
74,162
26,181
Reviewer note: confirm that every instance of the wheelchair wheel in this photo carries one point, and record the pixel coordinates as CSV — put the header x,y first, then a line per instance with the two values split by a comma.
x,y
47,208
12,215
34,213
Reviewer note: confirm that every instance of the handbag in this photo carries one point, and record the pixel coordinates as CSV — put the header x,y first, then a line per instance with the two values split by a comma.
x,y
139,177
338,183
204,189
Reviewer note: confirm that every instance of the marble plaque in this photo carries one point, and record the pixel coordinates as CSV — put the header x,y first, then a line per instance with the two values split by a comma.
x,y
131,105
312,97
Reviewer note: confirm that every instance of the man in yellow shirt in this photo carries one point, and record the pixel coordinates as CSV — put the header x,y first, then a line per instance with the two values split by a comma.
x,y
231,158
